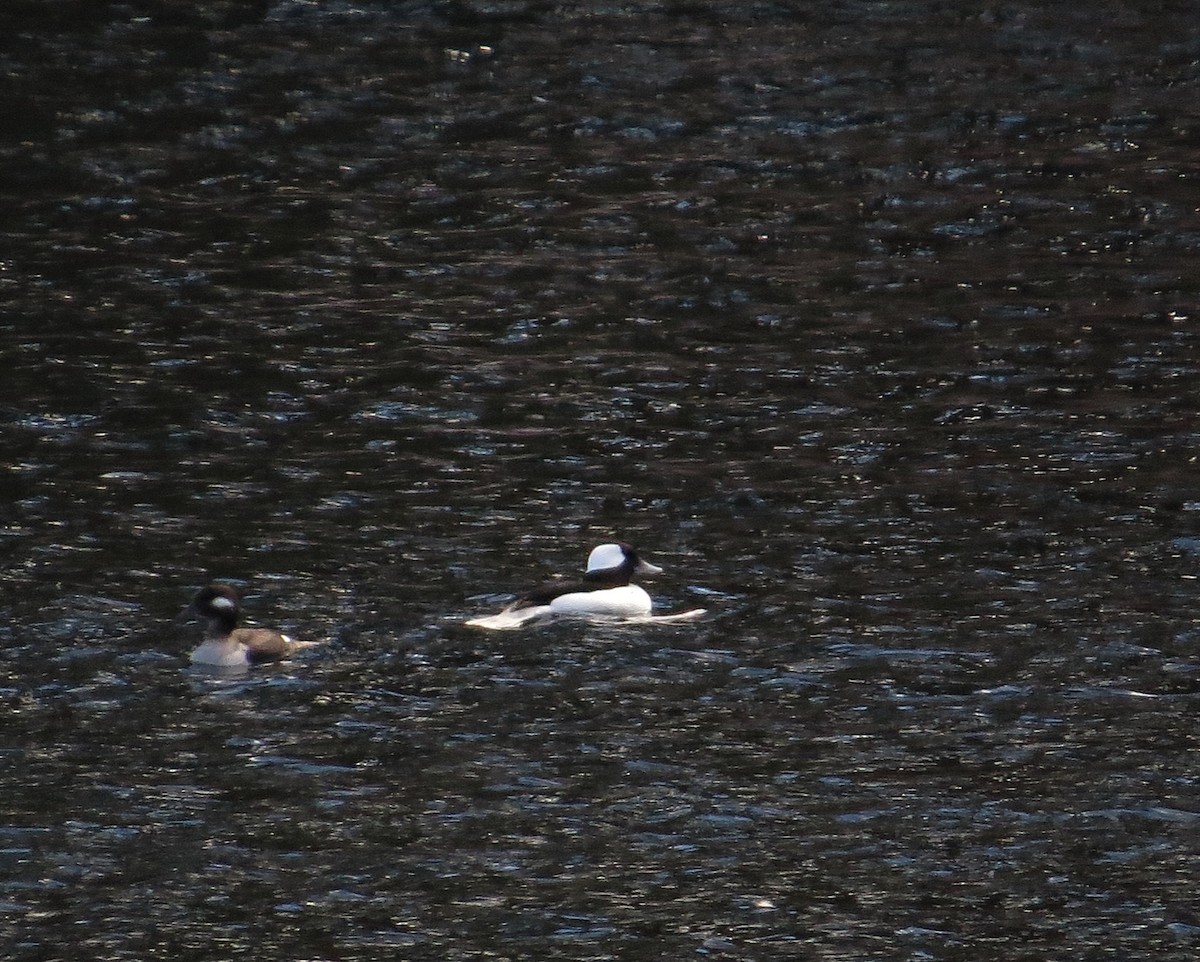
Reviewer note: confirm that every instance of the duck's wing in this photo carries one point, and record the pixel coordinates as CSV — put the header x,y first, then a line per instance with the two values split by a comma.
x,y
514,616
263,645
548,592
531,606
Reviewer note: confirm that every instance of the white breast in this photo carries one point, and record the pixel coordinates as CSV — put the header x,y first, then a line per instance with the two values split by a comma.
x,y
629,601
221,654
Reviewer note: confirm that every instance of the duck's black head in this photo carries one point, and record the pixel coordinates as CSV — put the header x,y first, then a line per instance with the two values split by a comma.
x,y
617,563
218,605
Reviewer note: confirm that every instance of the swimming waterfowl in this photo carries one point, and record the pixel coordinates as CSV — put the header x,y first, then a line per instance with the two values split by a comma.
x,y
604,593
227,646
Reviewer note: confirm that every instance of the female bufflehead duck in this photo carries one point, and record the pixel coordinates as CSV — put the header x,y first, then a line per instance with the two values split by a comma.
x,y
227,646
604,593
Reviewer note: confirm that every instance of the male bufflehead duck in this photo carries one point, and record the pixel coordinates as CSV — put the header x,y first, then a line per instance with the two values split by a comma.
x,y
227,646
604,593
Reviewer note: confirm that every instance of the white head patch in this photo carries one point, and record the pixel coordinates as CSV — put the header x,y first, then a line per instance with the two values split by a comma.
x,y
221,603
604,557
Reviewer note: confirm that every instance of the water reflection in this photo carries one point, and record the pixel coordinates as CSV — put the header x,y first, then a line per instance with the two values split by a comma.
x,y
872,323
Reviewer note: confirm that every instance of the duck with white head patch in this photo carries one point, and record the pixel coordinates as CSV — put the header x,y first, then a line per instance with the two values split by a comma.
x,y
604,593
227,646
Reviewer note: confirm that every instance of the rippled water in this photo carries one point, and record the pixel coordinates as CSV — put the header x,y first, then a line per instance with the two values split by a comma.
x,y
872,323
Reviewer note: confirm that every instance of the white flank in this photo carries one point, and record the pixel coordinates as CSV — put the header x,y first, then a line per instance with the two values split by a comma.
x,y
628,601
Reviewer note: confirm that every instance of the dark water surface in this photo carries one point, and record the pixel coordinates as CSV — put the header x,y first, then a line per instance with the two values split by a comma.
x,y
873,323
